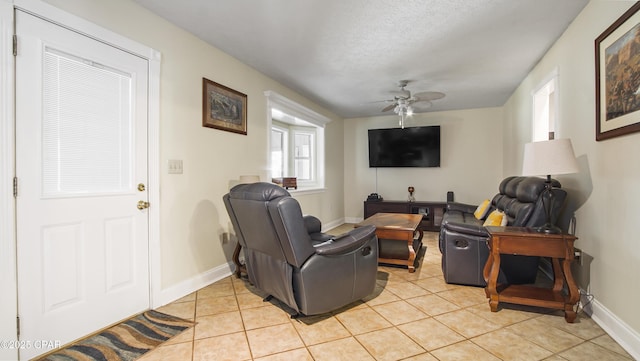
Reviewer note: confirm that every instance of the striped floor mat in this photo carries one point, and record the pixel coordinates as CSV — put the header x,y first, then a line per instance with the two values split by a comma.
x,y
125,341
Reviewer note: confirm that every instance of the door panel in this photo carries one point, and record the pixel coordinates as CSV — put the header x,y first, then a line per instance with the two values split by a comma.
x,y
120,253
61,264
81,150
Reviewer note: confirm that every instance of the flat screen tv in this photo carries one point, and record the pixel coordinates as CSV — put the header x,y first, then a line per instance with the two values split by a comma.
x,y
408,147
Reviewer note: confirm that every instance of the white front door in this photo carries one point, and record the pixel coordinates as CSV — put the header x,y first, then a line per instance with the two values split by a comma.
x,y
81,164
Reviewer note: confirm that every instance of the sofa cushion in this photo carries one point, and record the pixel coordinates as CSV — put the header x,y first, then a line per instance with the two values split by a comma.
x,y
496,218
482,210
529,190
502,202
519,213
511,186
461,217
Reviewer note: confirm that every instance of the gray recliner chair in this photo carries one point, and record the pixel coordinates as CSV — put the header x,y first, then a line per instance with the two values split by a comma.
x,y
287,256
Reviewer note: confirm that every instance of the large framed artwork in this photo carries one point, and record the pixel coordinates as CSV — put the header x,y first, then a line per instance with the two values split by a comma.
x,y
223,108
618,77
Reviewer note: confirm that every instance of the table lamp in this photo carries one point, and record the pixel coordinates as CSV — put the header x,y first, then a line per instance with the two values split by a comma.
x,y
546,158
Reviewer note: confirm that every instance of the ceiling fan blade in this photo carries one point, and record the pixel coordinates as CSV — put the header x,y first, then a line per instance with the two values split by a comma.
x,y
381,101
388,107
421,105
428,96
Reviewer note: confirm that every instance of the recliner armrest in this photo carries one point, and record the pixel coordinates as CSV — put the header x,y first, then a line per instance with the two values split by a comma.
x,y
347,242
312,224
466,228
461,207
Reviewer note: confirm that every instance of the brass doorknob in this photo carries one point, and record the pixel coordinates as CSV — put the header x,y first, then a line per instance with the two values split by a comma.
x,y
143,205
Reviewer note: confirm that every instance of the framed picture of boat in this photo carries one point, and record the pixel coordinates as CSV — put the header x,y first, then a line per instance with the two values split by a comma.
x,y
223,108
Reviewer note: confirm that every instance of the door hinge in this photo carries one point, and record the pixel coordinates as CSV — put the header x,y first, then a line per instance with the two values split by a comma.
x,y
15,187
18,326
15,45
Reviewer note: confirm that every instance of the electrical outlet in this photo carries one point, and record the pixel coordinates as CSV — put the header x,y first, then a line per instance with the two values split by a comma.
x,y
175,166
577,255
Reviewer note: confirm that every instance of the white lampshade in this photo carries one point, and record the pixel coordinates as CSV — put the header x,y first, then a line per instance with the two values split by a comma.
x,y
549,157
246,179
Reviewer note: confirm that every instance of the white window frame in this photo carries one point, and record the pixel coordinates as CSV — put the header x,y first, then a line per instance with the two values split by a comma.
x,y
291,127
285,143
296,115
545,106
306,131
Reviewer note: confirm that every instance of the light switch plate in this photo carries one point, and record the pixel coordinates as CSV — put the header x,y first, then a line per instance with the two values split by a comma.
x,y
175,166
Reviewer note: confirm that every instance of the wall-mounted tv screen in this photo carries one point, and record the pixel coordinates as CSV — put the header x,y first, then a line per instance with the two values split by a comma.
x,y
408,147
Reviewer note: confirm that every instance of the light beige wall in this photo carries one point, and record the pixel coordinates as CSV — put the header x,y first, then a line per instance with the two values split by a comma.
x,y
193,217
605,193
470,161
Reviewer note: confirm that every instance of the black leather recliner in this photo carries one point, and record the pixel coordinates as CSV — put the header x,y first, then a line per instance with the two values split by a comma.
x,y
287,256
463,239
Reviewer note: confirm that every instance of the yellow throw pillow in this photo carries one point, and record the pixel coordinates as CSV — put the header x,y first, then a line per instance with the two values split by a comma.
x,y
496,218
482,209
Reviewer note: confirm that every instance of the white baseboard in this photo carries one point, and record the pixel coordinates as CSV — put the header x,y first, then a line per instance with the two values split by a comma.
x,y
332,224
353,220
622,333
193,284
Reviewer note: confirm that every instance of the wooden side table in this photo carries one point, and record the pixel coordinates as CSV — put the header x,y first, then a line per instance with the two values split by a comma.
x,y
527,242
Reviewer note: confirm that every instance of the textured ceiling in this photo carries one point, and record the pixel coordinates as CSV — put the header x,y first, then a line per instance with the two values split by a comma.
x,y
348,54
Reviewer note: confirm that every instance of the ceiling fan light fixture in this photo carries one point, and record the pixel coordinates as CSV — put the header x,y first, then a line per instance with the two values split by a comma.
x,y
403,110
403,101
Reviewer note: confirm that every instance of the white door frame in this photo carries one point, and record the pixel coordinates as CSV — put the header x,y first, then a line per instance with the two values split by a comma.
x,y
8,303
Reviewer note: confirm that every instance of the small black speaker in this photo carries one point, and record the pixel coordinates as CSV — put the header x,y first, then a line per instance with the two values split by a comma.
x,y
449,196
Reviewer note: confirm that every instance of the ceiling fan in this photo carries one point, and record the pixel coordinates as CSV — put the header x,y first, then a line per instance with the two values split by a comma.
x,y
403,102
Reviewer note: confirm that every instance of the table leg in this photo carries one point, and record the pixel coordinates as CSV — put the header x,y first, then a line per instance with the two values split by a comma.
x,y
412,254
569,313
486,270
572,290
236,260
558,277
420,234
493,263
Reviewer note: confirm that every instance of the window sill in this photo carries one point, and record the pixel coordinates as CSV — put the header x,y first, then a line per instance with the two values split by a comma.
x,y
306,191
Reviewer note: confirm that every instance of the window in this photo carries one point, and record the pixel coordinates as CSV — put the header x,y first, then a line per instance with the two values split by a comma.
x,y
294,149
296,142
545,109
88,154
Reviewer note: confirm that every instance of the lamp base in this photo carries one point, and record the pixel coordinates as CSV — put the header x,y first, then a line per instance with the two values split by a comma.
x,y
548,201
548,228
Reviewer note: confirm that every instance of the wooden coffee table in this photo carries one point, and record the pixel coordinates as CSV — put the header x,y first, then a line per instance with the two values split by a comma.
x,y
400,227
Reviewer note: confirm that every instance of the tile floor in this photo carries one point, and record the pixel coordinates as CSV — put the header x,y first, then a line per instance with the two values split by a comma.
x,y
410,316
